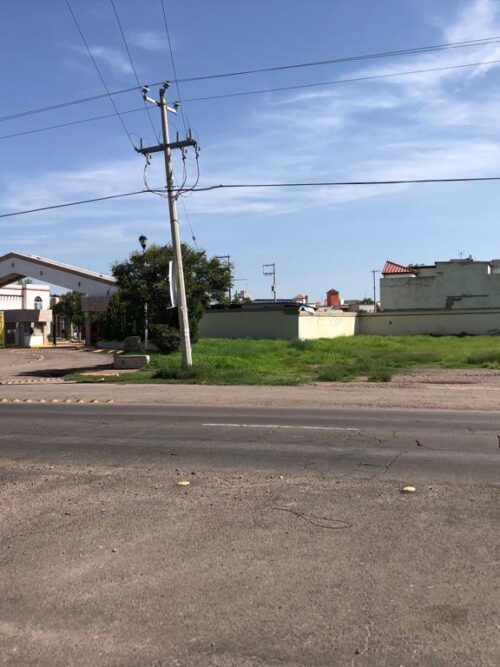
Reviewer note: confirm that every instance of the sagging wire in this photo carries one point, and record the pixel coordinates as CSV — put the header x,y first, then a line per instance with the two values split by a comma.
x,y
145,179
185,192
193,237
165,195
184,173
179,190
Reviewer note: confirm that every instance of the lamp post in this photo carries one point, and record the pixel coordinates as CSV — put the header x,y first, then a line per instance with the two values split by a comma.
x,y
143,240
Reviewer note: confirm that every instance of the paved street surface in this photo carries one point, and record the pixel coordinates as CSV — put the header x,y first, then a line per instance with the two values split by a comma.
x,y
47,365
292,544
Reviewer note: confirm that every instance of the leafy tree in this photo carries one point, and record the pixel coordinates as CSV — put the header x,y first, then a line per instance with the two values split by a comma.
x,y
118,316
144,276
70,307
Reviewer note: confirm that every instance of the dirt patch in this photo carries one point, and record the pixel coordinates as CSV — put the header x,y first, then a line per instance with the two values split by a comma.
x,y
121,566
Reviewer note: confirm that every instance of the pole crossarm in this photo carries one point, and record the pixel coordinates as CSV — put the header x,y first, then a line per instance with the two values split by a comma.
x,y
185,143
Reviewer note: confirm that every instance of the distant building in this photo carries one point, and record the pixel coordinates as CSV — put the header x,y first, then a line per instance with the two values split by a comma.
x,y
26,306
242,296
358,306
26,313
456,284
333,298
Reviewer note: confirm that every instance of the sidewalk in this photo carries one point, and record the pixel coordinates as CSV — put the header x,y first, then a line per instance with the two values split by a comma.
x,y
476,391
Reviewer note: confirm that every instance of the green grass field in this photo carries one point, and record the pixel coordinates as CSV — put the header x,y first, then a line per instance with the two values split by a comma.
x,y
281,362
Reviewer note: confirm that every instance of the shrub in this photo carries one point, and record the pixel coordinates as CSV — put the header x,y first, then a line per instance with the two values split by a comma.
x,y
484,358
166,338
301,344
333,373
380,375
178,373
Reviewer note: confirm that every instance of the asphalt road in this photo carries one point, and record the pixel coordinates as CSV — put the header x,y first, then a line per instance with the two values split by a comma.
x,y
292,544
411,445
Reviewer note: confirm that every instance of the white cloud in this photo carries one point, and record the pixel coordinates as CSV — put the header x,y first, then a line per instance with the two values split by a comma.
x,y
115,60
440,124
149,40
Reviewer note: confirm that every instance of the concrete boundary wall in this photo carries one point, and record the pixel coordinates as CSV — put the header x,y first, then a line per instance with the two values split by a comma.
x,y
331,324
438,322
249,324
327,325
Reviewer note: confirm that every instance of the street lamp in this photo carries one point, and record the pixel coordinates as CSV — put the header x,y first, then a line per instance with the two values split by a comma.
x,y
143,241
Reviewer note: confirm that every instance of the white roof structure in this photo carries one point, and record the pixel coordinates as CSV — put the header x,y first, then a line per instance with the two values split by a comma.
x,y
14,266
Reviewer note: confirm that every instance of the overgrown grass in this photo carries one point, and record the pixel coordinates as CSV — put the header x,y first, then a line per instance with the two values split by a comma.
x,y
281,362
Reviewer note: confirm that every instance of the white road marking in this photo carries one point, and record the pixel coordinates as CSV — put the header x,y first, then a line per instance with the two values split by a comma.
x,y
308,428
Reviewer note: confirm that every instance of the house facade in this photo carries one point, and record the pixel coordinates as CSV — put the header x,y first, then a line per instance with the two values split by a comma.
x,y
28,318
452,285
26,314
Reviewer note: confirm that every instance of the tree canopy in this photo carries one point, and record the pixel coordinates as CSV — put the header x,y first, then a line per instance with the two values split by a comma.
x,y
70,307
144,276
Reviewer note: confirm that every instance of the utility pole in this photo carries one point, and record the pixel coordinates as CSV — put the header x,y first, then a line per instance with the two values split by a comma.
x,y
375,271
270,270
166,148
228,260
143,241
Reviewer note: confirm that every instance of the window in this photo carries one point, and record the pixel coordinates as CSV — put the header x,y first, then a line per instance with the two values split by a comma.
x,y
38,303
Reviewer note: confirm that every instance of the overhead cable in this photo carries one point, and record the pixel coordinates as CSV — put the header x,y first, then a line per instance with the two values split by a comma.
x,y
227,186
262,91
155,133
172,60
386,54
335,82
71,122
91,56
348,59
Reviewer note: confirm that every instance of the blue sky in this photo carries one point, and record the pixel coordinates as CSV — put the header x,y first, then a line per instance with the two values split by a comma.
x,y
436,124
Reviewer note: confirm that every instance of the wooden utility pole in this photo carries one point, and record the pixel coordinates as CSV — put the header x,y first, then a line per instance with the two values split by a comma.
x,y
166,148
270,270
228,261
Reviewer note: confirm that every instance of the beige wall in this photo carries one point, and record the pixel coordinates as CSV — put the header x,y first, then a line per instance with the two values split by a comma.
x,y
249,324
277,324
430,322
456,285
326,325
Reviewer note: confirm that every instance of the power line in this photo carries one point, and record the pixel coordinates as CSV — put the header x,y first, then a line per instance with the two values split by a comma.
x,y
401,181
63,105
99,73
54,107
176,80
71,122
259,92
411,181
340,81
155,133
183,118
190,224
73,203
335,61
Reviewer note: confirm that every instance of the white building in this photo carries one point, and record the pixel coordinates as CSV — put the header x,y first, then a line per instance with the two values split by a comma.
x,y
26,308
26,314
452,285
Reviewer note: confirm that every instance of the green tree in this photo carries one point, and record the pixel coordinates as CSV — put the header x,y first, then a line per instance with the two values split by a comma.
x,y
144,276
70,307
117,319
